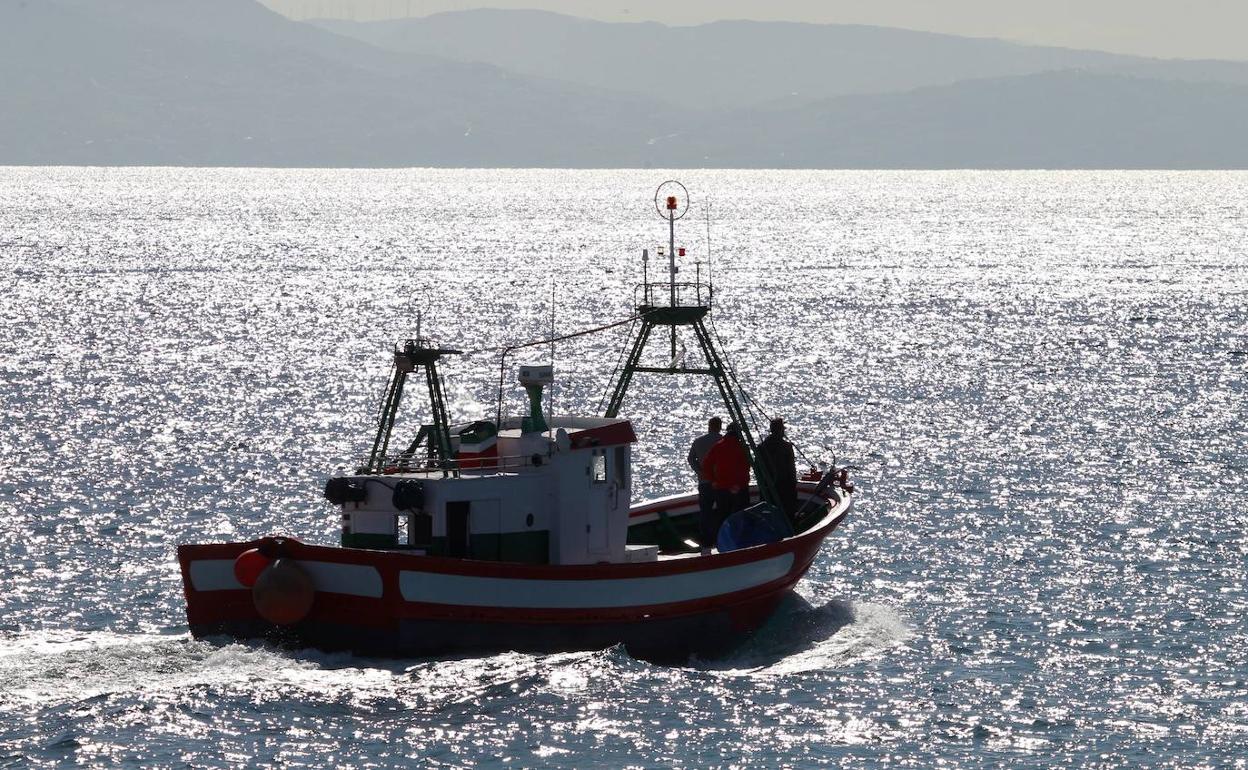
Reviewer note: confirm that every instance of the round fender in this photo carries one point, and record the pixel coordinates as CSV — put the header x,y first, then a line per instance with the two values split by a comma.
x,y
249,565
283,593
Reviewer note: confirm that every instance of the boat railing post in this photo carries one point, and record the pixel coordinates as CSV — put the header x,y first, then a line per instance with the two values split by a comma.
x,y
645,275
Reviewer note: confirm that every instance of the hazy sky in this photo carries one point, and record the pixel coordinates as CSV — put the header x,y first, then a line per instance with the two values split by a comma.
x,y
1172,28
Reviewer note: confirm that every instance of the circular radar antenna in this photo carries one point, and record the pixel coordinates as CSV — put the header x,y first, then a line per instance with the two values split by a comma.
x,y
671,200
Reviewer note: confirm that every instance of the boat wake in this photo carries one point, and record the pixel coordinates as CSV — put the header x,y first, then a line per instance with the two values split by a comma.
x,y
55,668
50,668
805,636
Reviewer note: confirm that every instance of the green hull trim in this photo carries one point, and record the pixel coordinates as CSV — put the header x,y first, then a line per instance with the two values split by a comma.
x,y
517,547
371,541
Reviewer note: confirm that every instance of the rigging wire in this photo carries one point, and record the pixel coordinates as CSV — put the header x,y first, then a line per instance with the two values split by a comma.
x,y
502,361
710,271
749,399
619,362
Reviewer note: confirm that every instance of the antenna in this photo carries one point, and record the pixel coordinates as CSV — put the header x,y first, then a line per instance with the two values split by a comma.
x,y
550,403
645,276
710,277
667,201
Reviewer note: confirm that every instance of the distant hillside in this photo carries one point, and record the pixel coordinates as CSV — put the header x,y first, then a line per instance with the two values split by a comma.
x,y
226,82
735,64
1052,120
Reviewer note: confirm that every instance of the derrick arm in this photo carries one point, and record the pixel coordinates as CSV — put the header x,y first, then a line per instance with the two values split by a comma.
x,y
692,316
630,366
766,485
413,355
440,432
385,426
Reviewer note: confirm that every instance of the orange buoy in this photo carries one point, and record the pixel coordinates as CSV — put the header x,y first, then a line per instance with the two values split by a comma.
x,y
249,565
283,593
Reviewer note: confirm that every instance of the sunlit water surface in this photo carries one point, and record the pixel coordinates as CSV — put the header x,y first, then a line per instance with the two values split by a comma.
x,y
1040,378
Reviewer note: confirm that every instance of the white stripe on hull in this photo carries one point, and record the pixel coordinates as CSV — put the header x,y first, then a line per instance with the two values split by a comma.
x,y
466,590
214,575
330,577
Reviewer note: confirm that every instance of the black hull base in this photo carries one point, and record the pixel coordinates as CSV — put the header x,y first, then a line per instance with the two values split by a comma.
x,y
658,640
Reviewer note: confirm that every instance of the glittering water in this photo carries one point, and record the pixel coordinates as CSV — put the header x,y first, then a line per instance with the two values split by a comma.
x,y
1040,376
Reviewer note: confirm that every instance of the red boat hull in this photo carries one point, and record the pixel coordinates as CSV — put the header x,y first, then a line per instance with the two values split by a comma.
x,y
397,604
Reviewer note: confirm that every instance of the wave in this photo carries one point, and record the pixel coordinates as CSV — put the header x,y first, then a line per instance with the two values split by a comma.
x,y
802,636
47,669
51,667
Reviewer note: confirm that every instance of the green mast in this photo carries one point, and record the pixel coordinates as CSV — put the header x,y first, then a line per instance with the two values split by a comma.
x,y
415,354
685,308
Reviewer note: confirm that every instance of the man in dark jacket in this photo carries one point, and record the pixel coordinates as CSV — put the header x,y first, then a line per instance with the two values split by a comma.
x,y
727,467
776,455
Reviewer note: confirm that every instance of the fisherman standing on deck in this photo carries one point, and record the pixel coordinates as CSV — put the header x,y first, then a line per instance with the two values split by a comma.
x,y
728,467
776,454
706,493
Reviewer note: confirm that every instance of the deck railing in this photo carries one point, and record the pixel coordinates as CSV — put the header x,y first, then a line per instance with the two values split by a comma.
x,y
460,466
659,294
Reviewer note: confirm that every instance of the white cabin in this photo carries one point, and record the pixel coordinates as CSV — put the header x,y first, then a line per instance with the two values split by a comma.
x,y
527,491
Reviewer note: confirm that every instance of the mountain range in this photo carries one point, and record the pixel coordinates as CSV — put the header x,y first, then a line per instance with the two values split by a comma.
x,y
734,64
228,82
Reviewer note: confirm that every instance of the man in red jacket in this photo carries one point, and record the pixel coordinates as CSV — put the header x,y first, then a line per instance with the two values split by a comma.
x,y
727,467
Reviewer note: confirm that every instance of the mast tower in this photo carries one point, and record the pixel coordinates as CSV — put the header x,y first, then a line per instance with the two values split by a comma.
x,y
688,306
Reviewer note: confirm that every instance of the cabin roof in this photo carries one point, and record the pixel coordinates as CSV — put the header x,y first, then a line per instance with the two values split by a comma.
x,y
584,432
612,433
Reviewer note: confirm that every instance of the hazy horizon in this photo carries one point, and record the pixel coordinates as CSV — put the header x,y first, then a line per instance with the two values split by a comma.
x,y
229,82
1199,29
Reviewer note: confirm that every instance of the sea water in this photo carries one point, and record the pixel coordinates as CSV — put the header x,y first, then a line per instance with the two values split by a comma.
x,y
1038,379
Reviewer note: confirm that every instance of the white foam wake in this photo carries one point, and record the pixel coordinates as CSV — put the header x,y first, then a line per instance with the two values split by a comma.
x,y
805,636
51,667
872,630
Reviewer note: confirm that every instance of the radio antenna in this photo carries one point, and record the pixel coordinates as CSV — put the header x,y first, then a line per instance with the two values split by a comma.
x,y
550,405
710,276
671,201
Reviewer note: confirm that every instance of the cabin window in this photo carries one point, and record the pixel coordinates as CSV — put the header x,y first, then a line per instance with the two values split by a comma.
x,y
598,467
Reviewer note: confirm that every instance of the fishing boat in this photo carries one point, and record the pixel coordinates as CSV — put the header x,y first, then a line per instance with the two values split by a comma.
x,y
521,533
